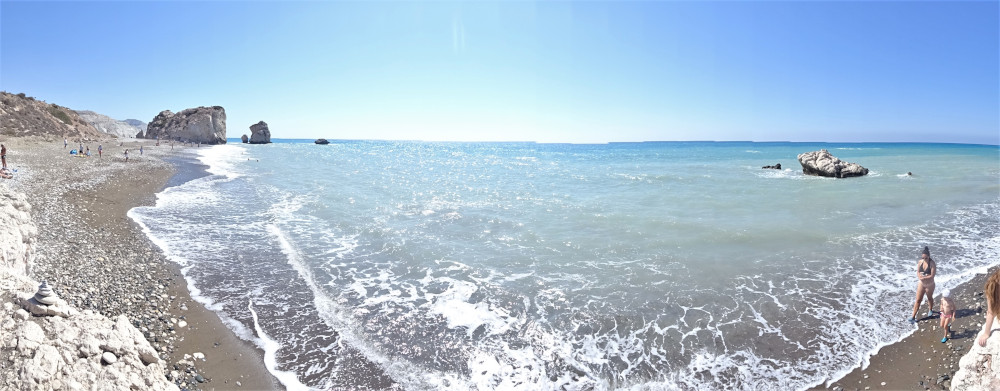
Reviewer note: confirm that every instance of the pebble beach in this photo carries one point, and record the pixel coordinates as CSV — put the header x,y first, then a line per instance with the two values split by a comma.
x,y
96,258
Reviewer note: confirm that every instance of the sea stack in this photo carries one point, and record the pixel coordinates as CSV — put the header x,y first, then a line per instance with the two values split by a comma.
x,y
822,163
259,134
198,125
245,139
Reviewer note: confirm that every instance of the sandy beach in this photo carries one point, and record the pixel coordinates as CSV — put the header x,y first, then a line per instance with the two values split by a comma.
x,y
97,258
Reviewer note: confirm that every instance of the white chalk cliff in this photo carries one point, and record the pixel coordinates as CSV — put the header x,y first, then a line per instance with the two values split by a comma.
x,y
73,350
111,126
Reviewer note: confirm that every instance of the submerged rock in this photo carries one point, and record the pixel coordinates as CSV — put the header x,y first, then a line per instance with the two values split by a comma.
x,y
822,163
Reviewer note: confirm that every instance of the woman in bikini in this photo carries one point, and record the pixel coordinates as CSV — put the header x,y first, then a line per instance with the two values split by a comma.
x,y
926,269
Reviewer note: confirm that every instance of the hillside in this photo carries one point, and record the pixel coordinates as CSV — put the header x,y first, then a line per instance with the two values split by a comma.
x,y
24,116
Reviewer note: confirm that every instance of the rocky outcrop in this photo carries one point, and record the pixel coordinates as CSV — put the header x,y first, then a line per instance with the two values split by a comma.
x,y
979,369
259,134
822,163
111,126
245,139
201,125
18,233
58,347
774,167
322,141
24,116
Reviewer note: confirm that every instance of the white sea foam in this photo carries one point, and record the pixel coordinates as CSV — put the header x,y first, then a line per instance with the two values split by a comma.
x,y
270,346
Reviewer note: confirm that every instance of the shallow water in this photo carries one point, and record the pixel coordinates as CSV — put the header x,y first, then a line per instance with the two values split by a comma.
x,y
417,265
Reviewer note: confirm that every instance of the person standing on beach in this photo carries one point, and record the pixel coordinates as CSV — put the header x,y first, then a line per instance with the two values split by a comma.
x,y
926,269
992,292
947,314
3,155
65,143
126,156
140,149
100,150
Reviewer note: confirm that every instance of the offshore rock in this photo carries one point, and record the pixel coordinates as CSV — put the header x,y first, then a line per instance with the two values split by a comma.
x,y
245,139
259,134
201,125
322,141
822,163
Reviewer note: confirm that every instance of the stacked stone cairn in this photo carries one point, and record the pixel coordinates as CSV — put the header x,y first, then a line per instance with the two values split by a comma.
x,y
45,302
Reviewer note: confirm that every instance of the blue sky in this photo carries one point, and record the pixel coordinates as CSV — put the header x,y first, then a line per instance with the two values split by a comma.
x,y
593,71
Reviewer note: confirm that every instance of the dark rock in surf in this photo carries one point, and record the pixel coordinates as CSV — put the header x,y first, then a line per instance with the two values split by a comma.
x,y
245,139
774,167
322,141
822,163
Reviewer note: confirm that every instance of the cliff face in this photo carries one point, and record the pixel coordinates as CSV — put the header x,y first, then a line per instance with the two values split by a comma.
x,y
24,116
201,124
111,126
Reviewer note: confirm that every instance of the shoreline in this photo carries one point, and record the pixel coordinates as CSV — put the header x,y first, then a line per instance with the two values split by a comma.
x,y
920,361
100,259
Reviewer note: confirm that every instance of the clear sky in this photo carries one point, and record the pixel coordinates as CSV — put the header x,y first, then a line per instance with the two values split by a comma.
x,y
592,71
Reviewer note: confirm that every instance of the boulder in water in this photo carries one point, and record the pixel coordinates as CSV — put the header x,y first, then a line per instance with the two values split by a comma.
x,y
259,133
245,139
822,163
322,141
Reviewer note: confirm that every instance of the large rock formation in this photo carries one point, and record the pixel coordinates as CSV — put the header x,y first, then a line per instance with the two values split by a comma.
x,y
201,124
979,369
822,163
245,139
24,116
18,233
111,126
73,350
259,134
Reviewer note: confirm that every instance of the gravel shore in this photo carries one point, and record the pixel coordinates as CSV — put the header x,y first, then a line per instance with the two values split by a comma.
x,y
97,258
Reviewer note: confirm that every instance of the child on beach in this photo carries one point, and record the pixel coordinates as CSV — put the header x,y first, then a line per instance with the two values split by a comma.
x,y
992,292
947,314
126,155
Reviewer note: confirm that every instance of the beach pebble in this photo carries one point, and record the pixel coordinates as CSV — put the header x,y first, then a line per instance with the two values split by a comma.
x,y
199,356
109,358
182,324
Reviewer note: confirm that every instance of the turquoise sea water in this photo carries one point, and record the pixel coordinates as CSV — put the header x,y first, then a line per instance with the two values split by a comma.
x,y
413,265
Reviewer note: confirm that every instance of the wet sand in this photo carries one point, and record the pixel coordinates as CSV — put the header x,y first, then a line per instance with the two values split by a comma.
x,y
100,259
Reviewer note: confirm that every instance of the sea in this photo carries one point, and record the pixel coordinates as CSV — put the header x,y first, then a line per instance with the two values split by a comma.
x,y
526,266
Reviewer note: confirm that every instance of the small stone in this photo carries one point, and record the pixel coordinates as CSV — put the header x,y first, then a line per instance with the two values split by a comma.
x,y
109,358
198,356
182,324
199,378
21,314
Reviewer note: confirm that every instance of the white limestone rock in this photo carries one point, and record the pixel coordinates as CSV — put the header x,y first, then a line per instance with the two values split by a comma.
x,y
822,163
121,129
201,124
18,234
979,369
